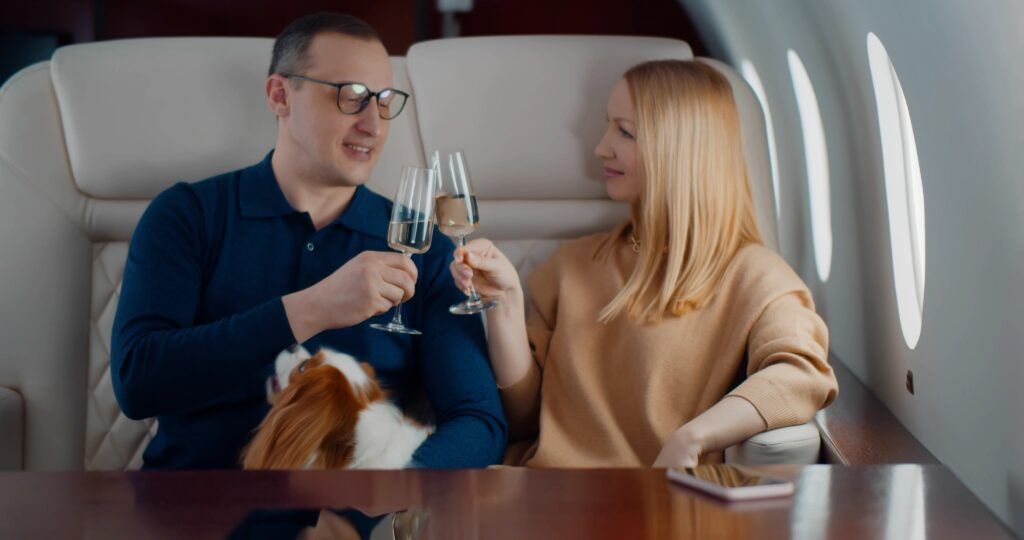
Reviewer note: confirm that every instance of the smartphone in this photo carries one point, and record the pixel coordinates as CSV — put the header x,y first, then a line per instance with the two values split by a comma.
x,y
731,482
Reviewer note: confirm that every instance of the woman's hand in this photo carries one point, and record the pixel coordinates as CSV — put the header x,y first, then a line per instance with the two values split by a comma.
x,y
683,449
730,421
488,269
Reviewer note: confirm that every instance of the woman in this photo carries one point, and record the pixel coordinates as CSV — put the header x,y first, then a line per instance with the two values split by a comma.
x,y
673,336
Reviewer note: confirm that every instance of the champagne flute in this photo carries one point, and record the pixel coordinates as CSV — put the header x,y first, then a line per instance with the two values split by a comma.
x,y
411,227
457,215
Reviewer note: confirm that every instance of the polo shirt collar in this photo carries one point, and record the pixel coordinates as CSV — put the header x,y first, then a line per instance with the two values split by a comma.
x,y
367,213
260,196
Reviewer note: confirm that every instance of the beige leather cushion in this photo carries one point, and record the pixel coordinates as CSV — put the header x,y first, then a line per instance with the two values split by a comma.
x,y
139,115
45,264
55,347
528,111
794,444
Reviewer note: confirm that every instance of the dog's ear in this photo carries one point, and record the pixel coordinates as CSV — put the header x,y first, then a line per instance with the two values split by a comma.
x,y
372,391
314,416
269,385
368,369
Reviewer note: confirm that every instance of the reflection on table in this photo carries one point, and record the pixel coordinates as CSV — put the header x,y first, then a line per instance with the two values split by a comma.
x,y
901,501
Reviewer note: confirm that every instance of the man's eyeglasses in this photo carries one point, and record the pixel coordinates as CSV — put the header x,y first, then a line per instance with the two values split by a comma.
x,y
353,97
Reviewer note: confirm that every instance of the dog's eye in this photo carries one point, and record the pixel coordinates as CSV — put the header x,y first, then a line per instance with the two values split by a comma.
x,y
302,366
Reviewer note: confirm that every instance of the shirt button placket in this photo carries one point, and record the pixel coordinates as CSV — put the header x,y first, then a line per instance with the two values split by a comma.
x,y
306,265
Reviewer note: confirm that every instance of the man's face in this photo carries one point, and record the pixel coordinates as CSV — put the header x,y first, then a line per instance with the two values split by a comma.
x,y
336,148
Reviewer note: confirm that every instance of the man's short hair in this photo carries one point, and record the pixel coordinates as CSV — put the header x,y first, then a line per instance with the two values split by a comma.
x,y
292,43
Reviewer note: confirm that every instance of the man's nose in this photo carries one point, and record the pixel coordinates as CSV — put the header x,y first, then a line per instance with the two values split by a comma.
x,y
369,119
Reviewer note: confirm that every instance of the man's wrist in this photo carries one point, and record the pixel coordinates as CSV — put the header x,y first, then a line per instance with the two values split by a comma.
x,y
302,309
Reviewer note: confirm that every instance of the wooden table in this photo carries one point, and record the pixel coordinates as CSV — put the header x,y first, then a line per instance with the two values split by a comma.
x,y
895,501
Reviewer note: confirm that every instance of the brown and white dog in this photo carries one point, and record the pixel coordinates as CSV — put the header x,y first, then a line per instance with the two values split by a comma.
x,y
329,412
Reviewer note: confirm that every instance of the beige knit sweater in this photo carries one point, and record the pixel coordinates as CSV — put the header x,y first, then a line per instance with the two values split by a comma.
x,y
610,395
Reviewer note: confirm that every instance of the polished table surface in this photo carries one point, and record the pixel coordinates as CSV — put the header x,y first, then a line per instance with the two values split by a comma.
x,y
896,501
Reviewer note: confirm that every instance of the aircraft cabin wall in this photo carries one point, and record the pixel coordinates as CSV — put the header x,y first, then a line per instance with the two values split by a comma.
x,y
960,68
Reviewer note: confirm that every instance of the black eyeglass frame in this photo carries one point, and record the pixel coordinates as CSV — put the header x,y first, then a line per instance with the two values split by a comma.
x,y
370,94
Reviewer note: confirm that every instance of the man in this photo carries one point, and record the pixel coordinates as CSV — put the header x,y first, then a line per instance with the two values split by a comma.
x,y
224,274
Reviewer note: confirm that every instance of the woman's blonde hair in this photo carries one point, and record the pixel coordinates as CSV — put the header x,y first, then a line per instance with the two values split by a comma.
x,y
695,208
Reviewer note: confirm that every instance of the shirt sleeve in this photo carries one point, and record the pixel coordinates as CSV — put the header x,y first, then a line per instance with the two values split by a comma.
x,y
456,373
522,398
160,362
788,376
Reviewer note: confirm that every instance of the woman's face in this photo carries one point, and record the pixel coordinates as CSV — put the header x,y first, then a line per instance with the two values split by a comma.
x,y
617,149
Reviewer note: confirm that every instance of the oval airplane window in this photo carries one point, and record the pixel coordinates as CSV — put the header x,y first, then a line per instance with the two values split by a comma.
x,y
904,195
754,80
816,156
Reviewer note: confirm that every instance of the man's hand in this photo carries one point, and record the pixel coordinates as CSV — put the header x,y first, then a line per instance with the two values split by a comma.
x,y
369,284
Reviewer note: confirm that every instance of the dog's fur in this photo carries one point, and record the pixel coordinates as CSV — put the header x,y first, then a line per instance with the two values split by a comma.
x,y
329,412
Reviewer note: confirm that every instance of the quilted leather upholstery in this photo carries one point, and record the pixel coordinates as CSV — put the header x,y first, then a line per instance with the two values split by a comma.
x,y
113,441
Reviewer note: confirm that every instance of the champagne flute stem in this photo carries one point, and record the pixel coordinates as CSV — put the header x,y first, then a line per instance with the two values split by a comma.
x,y
397,319
473,295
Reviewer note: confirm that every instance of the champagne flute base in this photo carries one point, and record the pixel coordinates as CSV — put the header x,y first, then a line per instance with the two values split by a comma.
x,y
472,307
396,328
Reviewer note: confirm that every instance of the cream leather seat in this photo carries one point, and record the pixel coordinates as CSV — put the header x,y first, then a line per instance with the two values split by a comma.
x,y
88,138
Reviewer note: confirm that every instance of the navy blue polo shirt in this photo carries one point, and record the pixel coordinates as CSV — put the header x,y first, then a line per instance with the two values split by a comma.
x,y
200,321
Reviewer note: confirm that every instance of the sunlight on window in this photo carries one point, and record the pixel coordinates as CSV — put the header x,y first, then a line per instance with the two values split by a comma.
x,y
754,80
816,155
903,190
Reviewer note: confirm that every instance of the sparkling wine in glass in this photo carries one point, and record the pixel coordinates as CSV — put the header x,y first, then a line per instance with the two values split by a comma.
x,y
412,226
457,215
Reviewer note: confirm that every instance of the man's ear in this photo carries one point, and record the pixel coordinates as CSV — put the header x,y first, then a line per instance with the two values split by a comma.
x,y
278,95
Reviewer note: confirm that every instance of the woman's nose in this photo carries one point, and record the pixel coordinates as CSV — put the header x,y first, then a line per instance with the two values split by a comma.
x,y
603,149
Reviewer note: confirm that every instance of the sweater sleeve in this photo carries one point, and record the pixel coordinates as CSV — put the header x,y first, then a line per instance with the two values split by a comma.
x,y
522,398
788,376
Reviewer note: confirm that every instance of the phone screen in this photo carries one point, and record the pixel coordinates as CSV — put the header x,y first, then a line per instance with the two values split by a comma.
x,y
728,476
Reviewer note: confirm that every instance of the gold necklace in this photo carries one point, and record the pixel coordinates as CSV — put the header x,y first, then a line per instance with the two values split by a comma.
x,y
636,242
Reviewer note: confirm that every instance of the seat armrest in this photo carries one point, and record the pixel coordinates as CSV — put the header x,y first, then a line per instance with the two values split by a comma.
x,y
792,445
12,434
